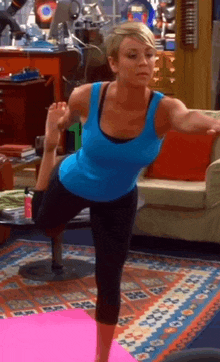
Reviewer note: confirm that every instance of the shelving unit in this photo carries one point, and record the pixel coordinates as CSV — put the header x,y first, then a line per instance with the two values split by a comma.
x,y
165,73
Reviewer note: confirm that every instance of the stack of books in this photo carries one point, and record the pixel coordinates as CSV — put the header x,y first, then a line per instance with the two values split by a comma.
x,y
18,151
15,214
12,204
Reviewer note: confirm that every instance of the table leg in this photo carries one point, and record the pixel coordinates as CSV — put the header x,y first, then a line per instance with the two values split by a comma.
x,y
57,252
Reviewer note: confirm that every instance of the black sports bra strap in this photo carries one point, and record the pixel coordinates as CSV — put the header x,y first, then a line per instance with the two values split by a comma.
x,y
102,99
151,96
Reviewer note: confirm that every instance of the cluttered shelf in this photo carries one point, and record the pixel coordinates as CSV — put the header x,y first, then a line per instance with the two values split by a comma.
x,y
15,210
15,204
82,220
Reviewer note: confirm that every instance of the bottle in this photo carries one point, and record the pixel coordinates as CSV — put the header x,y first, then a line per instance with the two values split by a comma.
x,y
27,204
62,34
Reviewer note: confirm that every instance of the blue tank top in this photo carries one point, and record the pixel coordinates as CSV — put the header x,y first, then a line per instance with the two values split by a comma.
x,y
105,169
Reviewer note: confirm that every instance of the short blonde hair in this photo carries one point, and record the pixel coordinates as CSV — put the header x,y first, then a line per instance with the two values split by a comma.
x,y
128,28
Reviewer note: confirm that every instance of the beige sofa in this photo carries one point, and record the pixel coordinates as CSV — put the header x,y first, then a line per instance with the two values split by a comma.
x,y
187,210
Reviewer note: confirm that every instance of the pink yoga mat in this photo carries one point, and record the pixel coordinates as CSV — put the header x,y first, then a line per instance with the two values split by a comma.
x,y
66,336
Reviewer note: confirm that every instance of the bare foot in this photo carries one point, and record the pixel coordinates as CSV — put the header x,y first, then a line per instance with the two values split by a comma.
x,y
52,132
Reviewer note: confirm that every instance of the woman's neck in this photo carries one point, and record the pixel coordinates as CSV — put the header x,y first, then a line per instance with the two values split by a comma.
x,y
130,98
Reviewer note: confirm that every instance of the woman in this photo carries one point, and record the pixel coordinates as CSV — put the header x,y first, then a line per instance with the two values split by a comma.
x,y
124,124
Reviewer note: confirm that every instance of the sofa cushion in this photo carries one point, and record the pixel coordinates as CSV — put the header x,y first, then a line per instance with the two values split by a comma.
x,y
183,157
174,193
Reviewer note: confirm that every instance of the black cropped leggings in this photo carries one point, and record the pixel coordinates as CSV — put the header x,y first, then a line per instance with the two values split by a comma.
x,y
111,223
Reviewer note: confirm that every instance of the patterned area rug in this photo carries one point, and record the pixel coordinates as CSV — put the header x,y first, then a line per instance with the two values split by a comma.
x,y
165,301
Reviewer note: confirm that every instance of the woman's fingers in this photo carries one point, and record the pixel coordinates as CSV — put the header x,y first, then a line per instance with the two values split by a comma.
x,y
64,119
64,105
52,106
58,115
58,105
61,105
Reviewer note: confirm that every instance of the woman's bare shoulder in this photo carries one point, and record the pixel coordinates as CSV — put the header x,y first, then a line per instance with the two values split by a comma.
x,y
162,122
80,98
168,110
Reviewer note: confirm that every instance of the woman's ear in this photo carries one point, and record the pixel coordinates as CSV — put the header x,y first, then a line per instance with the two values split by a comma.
x,y
113,64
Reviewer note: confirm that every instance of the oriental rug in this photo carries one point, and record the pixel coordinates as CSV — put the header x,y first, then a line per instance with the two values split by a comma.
x,y
166,302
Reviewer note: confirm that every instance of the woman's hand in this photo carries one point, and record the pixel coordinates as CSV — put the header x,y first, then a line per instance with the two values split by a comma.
x,y
52,132
65,121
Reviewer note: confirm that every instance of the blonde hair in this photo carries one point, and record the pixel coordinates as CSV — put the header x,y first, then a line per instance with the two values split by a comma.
x,y
129,28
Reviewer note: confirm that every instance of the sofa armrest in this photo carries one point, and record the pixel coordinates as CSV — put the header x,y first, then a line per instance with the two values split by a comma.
x,y
213,184
142,173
